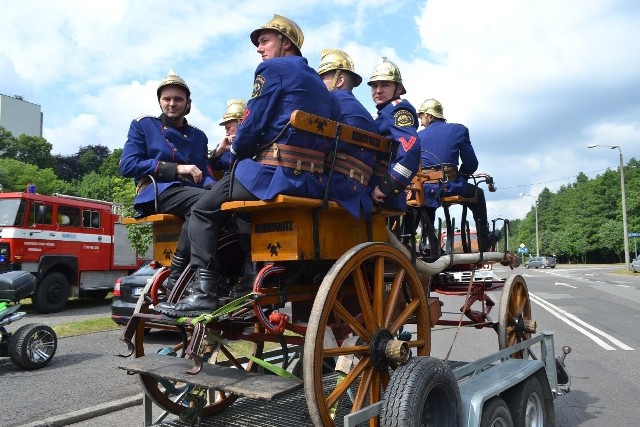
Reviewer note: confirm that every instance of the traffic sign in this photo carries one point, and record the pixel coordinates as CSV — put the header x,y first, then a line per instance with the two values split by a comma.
x,y
523,250
633,234
522,245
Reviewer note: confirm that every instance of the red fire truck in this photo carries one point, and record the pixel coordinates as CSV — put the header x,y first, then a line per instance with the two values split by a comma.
x,y
74,246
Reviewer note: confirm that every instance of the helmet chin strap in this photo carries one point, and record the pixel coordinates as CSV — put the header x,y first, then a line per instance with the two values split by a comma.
x,y
334,82
397,91
279,46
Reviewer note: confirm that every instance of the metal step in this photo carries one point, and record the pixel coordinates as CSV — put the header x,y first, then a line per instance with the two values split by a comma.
x,y
231,380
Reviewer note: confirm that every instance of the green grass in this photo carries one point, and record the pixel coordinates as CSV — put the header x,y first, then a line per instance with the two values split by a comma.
x,y
82,327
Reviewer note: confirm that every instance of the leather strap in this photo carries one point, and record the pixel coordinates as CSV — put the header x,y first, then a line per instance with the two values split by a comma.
x,y
351,167
289,156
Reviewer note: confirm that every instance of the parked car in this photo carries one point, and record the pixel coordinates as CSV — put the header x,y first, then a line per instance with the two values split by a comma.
x,y
127,289
540,261
635,265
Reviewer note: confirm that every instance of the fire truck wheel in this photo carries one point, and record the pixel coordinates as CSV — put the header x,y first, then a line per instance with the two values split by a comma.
x,y
423,391
33,346
52,293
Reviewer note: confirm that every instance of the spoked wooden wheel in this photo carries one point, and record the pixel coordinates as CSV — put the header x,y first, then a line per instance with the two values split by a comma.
x,y
370,298
515,323
173,396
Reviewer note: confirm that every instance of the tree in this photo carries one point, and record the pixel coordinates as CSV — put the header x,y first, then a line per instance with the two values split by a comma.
x,y
33,150
6,140
140,236
111,165
96,186
14,176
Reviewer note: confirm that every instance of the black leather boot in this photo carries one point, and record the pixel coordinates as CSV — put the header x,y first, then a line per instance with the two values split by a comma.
x,y
249,271
202,299
245,285
178,264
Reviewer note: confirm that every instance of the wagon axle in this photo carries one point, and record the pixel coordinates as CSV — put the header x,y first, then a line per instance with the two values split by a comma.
x,y
385,349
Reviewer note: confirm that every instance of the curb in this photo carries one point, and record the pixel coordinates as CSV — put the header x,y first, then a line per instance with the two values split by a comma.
x,y
86,414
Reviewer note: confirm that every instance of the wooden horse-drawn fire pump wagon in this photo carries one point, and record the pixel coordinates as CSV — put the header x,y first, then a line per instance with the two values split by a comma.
x,y
350,310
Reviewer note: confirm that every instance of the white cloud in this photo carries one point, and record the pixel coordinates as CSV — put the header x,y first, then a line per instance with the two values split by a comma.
x,y
535,82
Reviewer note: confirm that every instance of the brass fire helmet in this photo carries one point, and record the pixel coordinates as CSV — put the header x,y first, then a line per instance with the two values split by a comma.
x,y
432,106
174,79
387,71
284,26
336,59
235,110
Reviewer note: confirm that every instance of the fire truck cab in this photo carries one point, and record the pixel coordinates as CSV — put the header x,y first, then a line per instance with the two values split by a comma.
x,y
74,246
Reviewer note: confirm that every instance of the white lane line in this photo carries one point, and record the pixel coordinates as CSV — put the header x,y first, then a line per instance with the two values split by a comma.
x,y
566,284
565,316
624,286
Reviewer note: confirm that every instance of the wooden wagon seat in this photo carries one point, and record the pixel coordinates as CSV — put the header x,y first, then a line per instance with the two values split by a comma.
x,y
166,232
290,228
415,191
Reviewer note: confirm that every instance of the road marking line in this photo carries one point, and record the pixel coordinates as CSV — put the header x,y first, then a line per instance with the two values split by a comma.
x,y
566,284
624,286
559,313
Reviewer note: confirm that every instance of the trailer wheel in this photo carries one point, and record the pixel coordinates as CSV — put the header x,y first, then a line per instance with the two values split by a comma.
x,y
529,404
52,293
365,299
32,346
514,318
495,413
422,392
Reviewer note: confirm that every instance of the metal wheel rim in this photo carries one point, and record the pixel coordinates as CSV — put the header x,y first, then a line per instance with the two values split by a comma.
x,y
500,422
366,382
534,416
40,346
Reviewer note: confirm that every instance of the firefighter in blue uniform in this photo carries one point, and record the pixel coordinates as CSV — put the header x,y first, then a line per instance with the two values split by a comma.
x,y
221,156
271,157
174,153
353,165
445,145
397,119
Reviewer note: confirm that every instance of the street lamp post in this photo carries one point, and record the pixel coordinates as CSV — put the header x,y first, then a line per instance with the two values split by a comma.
x,y
624,202
536,206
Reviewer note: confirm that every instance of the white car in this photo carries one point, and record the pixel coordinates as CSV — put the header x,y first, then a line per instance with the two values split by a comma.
x,y
635,265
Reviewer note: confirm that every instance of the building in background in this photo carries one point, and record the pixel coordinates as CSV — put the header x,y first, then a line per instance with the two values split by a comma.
x,y
20,117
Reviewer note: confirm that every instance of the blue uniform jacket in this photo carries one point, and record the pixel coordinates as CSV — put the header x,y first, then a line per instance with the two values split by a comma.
x,y
398,120
350,193
154,148
447,143
222,163
282,85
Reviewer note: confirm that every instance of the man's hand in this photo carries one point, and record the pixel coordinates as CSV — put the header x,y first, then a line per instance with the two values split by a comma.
x,y
190,172
225,145
377,195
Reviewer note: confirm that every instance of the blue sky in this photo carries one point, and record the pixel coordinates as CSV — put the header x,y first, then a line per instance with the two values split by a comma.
x,y
535,82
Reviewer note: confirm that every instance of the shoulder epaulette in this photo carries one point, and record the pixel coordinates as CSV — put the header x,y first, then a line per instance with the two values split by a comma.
x,y
142,117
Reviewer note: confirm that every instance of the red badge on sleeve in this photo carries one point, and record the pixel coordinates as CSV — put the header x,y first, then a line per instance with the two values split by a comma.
x,y
406,145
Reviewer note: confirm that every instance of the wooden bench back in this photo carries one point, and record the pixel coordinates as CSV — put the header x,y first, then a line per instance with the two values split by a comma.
x,y
331,129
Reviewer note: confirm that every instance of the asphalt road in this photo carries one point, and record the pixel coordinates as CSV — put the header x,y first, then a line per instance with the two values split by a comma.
x,y
594,310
